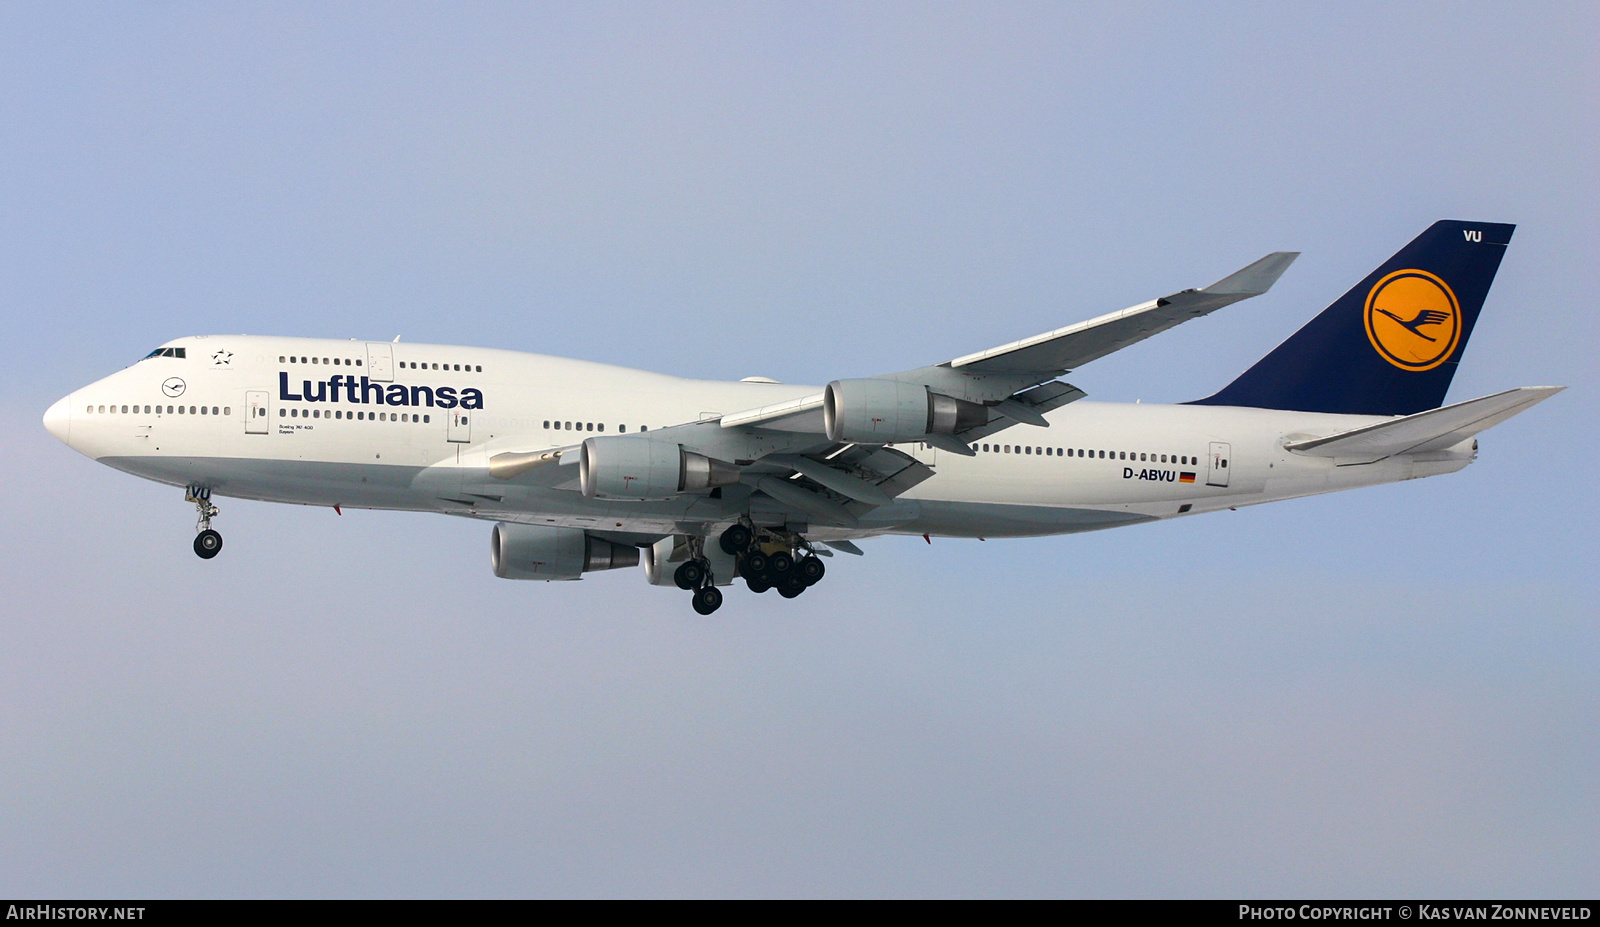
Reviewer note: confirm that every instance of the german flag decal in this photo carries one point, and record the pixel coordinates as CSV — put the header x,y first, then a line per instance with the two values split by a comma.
x,y
1186,477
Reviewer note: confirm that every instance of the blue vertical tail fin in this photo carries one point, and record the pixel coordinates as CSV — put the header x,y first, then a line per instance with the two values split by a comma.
x,y
1391,344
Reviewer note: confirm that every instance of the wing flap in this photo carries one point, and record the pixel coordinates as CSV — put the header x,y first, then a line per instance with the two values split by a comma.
x,y
1435,429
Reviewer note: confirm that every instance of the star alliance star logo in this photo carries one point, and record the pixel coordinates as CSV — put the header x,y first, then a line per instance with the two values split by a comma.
x,y
221,358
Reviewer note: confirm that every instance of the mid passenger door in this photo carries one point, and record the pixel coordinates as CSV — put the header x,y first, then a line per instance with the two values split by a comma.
x,y
255,412
1217,471
460,426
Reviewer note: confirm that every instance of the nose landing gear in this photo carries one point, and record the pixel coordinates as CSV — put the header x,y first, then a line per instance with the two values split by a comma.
x,y
207,542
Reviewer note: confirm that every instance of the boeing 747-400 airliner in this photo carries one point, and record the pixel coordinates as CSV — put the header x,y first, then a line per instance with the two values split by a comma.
x,y
584,466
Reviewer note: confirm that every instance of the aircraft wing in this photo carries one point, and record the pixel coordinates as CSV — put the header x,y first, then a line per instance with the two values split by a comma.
x,y
997,376
1069,348
784,452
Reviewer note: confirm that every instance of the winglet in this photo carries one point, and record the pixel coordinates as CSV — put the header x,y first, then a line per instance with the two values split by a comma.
x,y
1255,279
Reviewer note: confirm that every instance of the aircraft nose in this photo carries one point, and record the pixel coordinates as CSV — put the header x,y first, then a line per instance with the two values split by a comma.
x,y
58,419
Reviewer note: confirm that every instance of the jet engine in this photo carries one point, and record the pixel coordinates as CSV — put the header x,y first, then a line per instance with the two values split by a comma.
x,y
640,467
539,552
887,411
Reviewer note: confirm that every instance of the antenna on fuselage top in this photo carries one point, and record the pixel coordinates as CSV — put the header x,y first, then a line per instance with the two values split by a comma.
x,y
396,340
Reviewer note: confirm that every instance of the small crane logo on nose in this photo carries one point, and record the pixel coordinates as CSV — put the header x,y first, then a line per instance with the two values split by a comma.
x,y
172,387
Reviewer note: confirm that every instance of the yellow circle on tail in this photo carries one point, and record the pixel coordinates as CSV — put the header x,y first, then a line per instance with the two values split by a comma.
x,y
1413,320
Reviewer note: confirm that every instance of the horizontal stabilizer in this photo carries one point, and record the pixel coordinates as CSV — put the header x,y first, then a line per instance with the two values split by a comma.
x,y
1433,430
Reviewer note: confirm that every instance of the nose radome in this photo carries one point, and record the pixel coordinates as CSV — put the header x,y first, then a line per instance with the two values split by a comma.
x,y
58,419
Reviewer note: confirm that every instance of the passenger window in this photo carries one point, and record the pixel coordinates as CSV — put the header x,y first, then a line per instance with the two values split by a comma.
x,y
480,369
458,366
601,427
1028,451
426,419
622,427
283,413
546,424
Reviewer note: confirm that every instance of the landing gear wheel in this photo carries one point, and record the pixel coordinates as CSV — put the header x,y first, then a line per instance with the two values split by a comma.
x,y
757,584
707,599
690,575
207,544
736,540
780,565
810,569
755,563
792,587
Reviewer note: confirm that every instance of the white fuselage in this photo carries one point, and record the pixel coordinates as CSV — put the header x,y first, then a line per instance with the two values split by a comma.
x,y
418,434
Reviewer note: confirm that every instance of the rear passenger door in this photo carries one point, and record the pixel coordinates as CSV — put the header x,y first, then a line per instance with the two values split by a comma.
x,y
1217,471
460,426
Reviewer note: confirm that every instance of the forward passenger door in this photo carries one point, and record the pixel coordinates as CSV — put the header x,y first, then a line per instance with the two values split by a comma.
x,y
255,412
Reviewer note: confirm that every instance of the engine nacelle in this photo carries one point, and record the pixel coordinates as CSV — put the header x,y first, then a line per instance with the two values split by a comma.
x,y
539,552
639,468
888,411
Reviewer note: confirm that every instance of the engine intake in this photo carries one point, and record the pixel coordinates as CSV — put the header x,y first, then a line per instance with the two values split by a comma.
x,y
640,468
886,411
539,552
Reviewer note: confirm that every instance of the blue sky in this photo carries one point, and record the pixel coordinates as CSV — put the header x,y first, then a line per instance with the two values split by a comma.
x,y
1389,691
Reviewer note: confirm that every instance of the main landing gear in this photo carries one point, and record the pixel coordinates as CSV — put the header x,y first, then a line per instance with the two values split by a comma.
x,y
767,558
695,574
773,560
207,543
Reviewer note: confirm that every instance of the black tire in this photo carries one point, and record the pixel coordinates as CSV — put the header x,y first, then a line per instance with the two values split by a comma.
x,y
780,565
689,575
707,599
755,564
736,540
811,569
757,584
792,587
207,544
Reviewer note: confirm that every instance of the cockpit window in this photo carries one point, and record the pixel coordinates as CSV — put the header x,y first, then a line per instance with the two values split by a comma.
x,y
166,352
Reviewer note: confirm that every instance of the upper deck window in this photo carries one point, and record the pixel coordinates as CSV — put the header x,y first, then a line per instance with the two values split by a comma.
x,y
166,352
